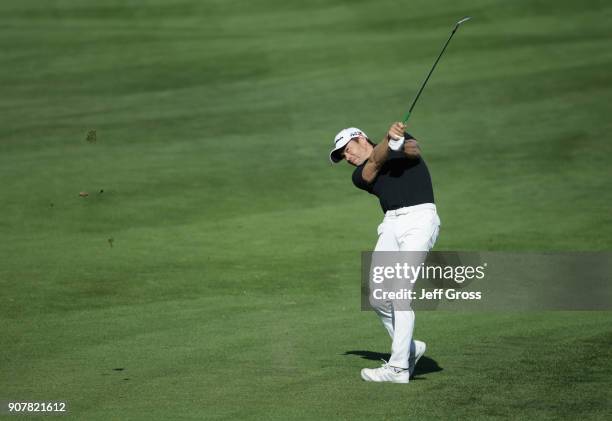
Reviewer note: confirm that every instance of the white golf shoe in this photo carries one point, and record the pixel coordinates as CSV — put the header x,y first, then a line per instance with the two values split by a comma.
x,y
386,373
419,350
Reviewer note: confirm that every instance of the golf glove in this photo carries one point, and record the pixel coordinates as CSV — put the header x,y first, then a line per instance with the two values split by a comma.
x,y
396,144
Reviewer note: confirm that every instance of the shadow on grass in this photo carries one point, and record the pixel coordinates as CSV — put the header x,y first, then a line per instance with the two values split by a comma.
x,y
425,365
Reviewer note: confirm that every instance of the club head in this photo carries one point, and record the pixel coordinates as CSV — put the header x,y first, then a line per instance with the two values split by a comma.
x,y
465,19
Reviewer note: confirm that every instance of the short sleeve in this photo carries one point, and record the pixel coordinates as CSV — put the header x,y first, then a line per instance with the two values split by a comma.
x,y
358,180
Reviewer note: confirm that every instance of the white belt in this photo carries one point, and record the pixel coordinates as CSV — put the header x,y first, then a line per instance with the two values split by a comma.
x,y
410,209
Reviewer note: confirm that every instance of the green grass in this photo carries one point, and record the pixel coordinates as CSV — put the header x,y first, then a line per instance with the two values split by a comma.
x,y
232,287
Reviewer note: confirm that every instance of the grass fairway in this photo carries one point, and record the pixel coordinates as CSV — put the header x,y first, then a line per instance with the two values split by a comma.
x,y
213,270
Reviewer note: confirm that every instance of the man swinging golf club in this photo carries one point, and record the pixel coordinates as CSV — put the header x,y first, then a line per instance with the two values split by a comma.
x,y
394,171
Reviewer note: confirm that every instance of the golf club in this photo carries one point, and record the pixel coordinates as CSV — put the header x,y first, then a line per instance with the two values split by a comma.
x,y
407,116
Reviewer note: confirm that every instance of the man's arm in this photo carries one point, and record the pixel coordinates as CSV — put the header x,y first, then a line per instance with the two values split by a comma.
x,y
411,148
377,159
380,154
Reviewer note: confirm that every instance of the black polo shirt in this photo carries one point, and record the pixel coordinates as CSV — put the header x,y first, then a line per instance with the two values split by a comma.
x,y
401,182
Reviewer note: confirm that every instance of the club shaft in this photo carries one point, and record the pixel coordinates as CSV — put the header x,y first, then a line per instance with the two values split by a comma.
x,y
416,98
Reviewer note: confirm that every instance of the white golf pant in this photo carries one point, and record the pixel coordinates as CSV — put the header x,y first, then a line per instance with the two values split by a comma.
x,y
413,228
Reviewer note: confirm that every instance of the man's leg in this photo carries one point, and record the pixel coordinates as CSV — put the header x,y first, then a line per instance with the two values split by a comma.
x,y
386,242
416,232
403,326
399,324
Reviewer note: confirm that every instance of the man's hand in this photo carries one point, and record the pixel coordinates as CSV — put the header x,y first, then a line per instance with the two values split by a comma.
x,y
409,146
381,151
396,131
396,136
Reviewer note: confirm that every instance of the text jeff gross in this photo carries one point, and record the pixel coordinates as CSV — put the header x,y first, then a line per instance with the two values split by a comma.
x,y
436,294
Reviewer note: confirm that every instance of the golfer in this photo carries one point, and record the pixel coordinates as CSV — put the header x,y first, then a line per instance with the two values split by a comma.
x,y
394,171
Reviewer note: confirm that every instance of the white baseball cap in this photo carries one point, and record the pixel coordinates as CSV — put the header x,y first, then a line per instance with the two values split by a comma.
x,y
342,138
